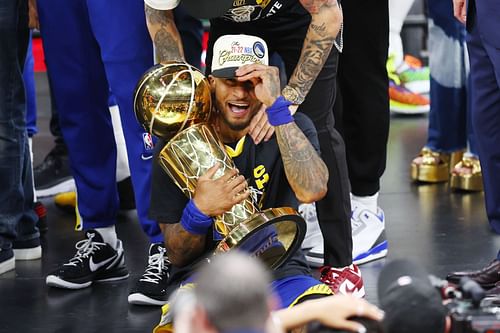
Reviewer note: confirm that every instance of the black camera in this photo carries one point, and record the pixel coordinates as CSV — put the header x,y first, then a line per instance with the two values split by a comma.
x,y
470,311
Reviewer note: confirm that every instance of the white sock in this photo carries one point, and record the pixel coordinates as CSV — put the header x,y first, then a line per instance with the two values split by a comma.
x,y
108,235
398,10
370,202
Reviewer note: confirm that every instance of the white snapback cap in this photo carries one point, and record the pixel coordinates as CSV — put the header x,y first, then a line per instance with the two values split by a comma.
x,y
233,51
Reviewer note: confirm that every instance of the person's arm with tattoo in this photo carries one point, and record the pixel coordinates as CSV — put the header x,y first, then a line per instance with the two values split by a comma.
x,y
182,246
164,34
185,241
305,171
326,19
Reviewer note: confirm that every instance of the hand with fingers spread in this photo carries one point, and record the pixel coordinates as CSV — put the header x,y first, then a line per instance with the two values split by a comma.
x,y
216,196
331,311
260,129
346,306
265,79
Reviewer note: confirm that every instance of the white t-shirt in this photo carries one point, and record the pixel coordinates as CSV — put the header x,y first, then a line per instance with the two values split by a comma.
x,y
242,11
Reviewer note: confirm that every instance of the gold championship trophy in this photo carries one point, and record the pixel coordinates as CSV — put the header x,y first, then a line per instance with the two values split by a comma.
x,y
173,102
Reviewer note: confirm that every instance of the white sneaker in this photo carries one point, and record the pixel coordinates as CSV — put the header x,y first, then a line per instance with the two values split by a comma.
x,y
368,235
313,234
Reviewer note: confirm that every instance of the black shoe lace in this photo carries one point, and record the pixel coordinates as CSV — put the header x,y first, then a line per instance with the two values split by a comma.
x,y
85,248
158,265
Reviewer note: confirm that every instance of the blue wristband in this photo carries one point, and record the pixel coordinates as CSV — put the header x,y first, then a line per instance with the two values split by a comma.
x,y
278,113
194,221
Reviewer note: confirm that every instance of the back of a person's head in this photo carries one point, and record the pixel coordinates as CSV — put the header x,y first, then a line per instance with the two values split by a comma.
x,y
234,291
410,302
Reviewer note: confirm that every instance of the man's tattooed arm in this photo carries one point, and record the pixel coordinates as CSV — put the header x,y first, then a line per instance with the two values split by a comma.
x,y
182,247
326,18
166,38
305,170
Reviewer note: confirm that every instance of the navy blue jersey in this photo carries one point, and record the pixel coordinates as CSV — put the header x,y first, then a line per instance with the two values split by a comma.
x,y
263,168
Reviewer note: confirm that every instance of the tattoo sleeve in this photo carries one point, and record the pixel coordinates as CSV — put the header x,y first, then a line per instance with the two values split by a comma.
x,y
305,170
325,24
182,246
164,33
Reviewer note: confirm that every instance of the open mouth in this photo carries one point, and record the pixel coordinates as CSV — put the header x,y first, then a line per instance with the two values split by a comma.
x,y
239,108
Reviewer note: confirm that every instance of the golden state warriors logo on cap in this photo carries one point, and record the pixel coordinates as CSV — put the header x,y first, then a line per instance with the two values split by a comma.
x,y
234,51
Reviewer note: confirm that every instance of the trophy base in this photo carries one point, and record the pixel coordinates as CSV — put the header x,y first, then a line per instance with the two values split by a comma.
x,y
272,235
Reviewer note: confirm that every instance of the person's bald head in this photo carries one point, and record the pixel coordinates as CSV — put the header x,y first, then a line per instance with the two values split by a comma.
x,y
234,292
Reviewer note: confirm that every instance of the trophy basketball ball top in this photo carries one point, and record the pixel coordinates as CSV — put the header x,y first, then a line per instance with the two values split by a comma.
x,y
173,101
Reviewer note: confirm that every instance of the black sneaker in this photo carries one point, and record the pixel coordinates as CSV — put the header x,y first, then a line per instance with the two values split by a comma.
x,y
94,261
41,211
53,175
151,289
28,249
7,261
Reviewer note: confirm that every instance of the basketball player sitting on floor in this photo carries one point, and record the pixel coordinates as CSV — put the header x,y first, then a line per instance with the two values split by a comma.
x,y
285,169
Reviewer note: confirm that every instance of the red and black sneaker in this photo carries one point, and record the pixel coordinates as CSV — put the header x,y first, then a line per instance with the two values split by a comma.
x,y
345,280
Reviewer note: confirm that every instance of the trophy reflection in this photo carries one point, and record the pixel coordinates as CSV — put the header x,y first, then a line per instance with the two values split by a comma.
x,y
173,102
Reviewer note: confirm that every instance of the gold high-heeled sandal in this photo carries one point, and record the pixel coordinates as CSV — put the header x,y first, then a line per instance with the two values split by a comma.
x,y
466,175
432,166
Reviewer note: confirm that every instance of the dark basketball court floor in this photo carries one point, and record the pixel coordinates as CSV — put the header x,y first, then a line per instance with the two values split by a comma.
x,y
442,230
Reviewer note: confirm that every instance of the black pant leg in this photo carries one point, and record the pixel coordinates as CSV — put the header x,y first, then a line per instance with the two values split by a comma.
x,y
334,210
364,87
287,35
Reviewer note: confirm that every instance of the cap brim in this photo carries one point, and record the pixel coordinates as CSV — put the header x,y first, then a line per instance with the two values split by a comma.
x,y
225,73
207,9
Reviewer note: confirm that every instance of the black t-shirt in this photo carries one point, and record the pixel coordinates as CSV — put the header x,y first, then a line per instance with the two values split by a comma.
x,y
251,10
263,168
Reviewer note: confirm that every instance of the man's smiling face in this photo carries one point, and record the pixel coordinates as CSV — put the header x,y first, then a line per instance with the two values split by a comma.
x,y
235,101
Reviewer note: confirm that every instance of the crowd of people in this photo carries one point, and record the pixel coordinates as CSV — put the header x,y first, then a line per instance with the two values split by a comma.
x,y
301,138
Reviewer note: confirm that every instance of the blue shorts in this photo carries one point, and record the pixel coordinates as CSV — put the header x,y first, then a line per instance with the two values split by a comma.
x,y
292,289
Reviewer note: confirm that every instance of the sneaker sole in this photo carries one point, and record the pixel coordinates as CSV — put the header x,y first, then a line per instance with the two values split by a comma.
x,y
54,281
65,186
141,299
403,108
378,252
28,254
7,265
419,110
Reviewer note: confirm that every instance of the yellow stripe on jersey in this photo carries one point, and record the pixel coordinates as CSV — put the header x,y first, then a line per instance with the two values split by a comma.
x,y
236,151
319,289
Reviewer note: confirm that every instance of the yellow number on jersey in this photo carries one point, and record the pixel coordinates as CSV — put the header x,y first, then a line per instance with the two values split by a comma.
x,y
261,176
